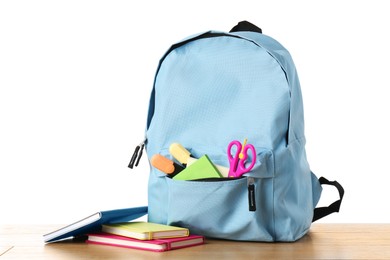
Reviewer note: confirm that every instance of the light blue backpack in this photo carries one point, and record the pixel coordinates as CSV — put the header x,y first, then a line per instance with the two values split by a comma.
x,y
216,87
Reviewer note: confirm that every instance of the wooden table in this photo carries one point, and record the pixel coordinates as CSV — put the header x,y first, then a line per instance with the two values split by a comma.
x,y
324,241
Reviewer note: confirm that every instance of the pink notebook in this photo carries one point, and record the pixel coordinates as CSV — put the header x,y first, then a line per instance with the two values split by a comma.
x,y
157,245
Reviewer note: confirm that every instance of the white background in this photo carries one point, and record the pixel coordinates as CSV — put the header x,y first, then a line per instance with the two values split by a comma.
x,y
75,78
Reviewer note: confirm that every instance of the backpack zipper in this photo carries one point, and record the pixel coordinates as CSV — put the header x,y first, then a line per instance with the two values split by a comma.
x,y
251,194
137,154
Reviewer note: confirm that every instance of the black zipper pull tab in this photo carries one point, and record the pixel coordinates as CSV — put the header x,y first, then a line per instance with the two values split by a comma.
x,y
251,194
137,156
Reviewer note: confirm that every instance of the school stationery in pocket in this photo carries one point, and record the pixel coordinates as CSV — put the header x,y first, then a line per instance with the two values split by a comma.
x,y
215,87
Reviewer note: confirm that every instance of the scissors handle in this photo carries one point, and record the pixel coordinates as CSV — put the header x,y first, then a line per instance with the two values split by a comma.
x,y
229,150
237,164
242,162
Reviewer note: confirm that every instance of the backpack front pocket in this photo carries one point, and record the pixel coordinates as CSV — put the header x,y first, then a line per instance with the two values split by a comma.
x,y
227,208
220,208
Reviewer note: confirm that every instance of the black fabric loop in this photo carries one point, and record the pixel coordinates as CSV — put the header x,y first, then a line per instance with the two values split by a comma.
x,y
246,26
321,212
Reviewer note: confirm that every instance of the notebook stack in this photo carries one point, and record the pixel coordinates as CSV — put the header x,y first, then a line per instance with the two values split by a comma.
x,y
145,236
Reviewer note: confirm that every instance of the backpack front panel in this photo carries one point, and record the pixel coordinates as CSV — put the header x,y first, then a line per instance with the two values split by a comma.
x,y
207,93
211,91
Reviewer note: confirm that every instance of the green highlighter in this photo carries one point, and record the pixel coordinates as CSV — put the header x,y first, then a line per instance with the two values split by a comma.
x,y
201,169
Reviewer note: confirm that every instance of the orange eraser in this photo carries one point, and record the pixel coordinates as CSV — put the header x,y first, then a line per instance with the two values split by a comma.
x,y
162,163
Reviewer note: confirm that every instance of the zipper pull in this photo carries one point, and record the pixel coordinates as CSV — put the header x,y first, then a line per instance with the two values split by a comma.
x,y
251,194
137,154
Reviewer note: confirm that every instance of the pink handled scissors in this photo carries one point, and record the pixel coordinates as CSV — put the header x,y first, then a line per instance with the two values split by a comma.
x,y
237,163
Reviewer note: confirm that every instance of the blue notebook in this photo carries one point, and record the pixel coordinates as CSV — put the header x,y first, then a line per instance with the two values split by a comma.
x,y
94,223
